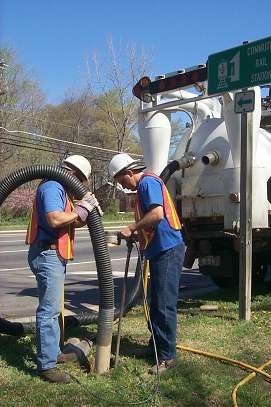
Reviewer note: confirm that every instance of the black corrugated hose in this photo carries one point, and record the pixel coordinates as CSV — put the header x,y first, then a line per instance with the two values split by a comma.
x,y
169,170
96,231
24,175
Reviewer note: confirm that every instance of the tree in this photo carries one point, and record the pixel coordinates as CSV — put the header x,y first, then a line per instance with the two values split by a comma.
x,y
111,85
76,120
104,111
65,122
21,101
178,129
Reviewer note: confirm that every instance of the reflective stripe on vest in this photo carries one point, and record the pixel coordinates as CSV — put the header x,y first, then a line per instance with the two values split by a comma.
x,y
65,242
147,234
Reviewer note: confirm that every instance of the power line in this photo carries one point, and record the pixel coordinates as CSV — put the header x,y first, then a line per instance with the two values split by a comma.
x,y
51,144
58,140
31,147
54,148
65,141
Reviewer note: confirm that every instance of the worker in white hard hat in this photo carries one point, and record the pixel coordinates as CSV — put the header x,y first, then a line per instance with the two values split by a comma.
x,y
79,165
123,161
161,242
50,236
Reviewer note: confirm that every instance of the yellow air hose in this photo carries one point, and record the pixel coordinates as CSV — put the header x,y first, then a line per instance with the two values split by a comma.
x,y
61,320
145,286
245,380
241,365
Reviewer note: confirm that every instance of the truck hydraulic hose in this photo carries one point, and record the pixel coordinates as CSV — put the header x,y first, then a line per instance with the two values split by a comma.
x,y
100,249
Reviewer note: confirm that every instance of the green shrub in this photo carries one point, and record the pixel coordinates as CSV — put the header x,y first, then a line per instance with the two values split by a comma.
x,y
113,214
7,220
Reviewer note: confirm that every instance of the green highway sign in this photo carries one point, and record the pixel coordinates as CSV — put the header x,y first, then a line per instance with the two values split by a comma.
x,y
244,102
240,67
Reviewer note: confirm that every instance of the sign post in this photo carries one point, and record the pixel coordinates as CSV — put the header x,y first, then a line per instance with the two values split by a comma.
x,y
245,254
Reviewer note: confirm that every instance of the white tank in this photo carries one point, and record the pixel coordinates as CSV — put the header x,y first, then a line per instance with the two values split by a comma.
x,y
205,190
155,132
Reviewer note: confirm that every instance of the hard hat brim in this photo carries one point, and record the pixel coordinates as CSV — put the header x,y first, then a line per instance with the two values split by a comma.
x,y
135,165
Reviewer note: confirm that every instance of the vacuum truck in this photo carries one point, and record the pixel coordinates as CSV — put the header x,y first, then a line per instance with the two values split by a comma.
x,y
206,184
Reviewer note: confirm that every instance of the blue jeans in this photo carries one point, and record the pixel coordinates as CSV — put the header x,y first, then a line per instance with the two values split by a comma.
x,y
50,271
165,272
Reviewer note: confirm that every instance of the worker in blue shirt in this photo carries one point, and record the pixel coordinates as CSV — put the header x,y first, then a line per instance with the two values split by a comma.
x,y
162,244
50,236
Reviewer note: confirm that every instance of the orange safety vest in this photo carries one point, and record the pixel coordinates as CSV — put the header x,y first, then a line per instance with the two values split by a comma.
x,y
65,242
147,234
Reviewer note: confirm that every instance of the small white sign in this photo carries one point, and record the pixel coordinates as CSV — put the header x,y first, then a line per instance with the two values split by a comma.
x,y
244,102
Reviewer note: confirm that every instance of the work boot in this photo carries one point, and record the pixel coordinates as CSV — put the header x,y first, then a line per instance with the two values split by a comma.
x,y
163,366
54,375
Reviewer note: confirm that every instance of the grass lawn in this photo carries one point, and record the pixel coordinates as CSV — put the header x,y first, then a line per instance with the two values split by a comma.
x,y
196,382
108,220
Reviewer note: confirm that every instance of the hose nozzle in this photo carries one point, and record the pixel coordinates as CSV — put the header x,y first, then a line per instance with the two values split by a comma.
x,y
113,238
187,160
210,158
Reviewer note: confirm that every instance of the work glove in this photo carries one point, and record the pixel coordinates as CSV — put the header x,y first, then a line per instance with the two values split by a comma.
x,y
86,205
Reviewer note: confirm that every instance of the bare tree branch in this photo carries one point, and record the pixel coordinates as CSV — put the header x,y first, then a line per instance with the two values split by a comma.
x,y
123,68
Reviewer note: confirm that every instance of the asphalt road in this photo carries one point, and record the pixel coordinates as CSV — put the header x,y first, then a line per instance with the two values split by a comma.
x,y
18,296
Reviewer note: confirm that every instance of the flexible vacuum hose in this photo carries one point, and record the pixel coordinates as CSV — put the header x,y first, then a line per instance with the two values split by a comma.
x,y
22,176
100,249
169,170
136,290
187,160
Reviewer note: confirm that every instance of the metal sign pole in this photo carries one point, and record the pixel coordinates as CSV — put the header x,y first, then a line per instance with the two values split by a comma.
x,y
245,258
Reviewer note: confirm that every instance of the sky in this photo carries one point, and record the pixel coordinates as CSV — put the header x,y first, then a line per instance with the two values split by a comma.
x,y
53,37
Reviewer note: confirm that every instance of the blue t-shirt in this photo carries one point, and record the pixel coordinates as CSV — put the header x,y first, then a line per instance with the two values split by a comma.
x,y
165,237
50,197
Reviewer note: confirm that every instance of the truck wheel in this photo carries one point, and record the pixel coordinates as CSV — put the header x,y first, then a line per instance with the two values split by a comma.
x,y
259,273
226,274
220,281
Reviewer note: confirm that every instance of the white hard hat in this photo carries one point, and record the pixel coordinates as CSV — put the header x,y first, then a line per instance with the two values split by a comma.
x,y
78,162
122,162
